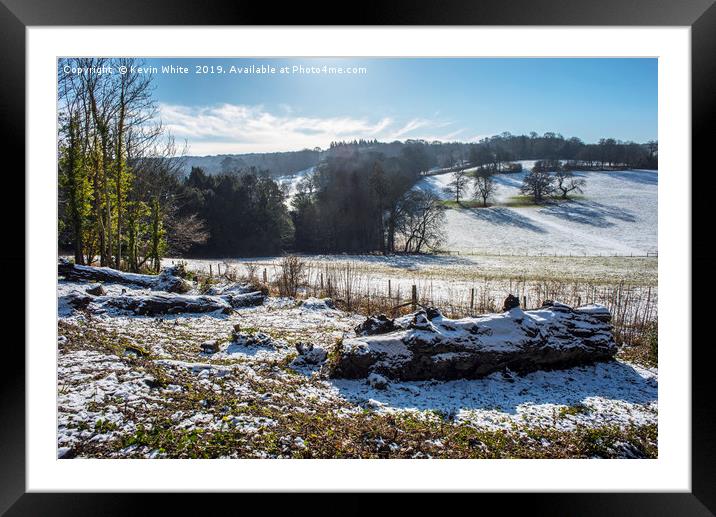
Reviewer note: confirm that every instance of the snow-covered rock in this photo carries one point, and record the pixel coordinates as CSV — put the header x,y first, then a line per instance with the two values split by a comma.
x,y
318,304
96,290
210,347
373,325
435,347
310,354
377,381
596,311
255,339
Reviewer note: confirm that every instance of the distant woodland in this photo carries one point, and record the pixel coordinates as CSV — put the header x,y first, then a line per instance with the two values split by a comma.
x,y
128,196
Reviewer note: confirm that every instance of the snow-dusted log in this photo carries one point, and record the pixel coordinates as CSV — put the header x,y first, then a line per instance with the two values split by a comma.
x,y
158,304
239,295
162,303
427,345
167,280
245,299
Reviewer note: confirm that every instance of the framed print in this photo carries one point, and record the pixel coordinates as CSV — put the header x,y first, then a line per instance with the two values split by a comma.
x,y
431,253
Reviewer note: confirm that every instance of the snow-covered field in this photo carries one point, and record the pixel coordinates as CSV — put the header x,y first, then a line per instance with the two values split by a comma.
x,y
114,403
617,214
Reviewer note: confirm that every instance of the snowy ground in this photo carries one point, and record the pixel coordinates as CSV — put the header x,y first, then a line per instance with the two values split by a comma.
x,y
617,214
290,182
179,401
133,386
449,280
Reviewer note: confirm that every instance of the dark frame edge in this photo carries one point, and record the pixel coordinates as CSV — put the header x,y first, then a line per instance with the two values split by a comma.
x,y
703,109
12,110
396,12
702,500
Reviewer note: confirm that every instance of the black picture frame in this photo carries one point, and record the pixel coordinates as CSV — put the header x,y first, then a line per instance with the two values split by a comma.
x,y
700,15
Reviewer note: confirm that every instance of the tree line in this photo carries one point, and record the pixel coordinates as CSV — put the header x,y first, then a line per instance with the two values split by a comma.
x,y
359,202
546,179
117,170
501,150
365,201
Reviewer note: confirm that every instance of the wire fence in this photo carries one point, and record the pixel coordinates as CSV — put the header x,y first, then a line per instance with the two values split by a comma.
x,y
633,307
648,254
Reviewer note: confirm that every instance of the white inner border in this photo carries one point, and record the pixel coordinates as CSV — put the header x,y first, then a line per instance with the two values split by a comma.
x,y
671,471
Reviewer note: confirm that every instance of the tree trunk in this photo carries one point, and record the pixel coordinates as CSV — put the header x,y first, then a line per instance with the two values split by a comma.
x,y
107,201
391,231
156,237
97,201
74,200
120,131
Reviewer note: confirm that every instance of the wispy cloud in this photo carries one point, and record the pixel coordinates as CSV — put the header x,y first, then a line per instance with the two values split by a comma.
x,y
411,126
230,128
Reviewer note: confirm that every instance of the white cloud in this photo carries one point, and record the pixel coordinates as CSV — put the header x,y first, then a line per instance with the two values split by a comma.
x,y
411,126
231,128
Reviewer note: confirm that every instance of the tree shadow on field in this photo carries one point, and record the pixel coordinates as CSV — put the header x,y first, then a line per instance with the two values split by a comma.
x,y
641,177
400,260
513,179
502,216
612,380
589,213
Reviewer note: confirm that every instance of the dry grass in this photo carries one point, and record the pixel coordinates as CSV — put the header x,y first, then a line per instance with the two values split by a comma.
x,y
644,347
388,436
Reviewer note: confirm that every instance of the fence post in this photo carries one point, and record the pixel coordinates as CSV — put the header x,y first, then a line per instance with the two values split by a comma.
x,y
414,300
472,300
218,269
389,289
524,302
579,301
211,271
321,281
265,277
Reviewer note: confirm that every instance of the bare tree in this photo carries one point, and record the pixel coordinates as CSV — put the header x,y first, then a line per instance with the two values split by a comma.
x,y
73,173
484,184
538,184
422,221
567,182
459,184
184,232
135,108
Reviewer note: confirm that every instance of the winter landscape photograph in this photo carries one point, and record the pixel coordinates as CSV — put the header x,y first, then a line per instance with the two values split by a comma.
x,y
372,258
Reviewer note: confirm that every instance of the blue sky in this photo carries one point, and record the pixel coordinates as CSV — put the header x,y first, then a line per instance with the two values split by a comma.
x,y
449,99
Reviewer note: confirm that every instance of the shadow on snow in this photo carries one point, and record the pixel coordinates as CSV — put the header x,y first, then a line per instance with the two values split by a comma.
x,y
613,380
502,216
589,213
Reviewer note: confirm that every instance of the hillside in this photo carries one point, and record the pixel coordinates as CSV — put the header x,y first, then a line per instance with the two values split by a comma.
x,y
280,163
617,214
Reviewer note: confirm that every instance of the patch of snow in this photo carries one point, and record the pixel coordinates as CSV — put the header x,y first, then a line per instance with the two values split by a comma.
x,y
616,393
